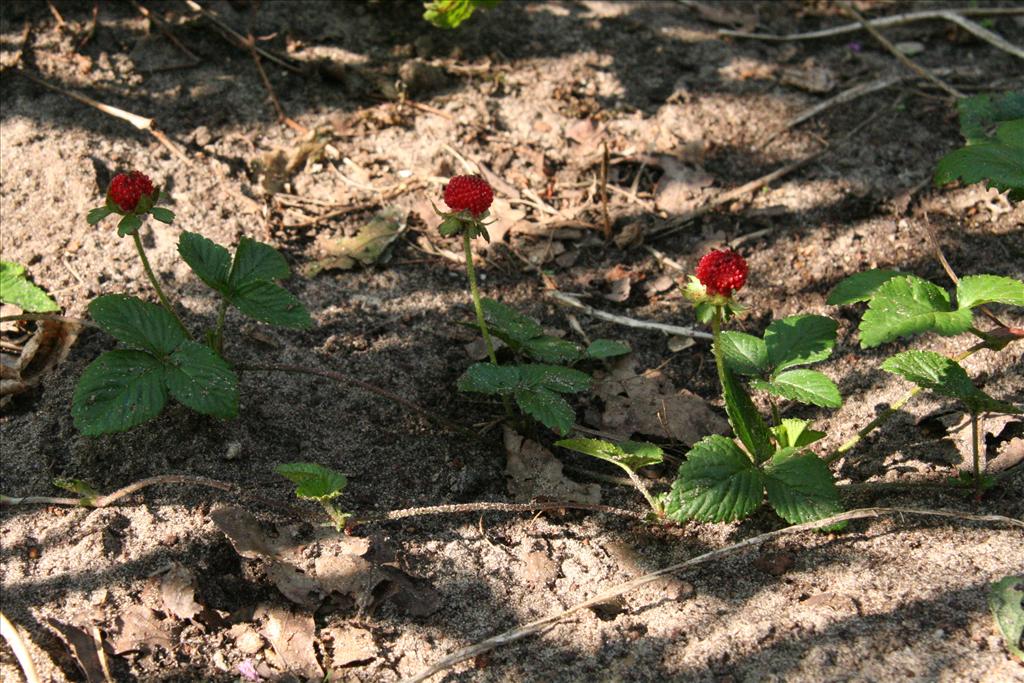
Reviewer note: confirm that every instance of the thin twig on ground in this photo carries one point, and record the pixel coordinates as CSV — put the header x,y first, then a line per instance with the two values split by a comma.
x,y
140,122
13,637
541,624
980,31
162,26
604,193
673,330
250,44
48,316
240,40
898,54
463,508
845,96
884,22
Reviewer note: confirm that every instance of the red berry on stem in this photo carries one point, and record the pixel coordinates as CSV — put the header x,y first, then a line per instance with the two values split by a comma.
x,y
468,192
126,189
722,272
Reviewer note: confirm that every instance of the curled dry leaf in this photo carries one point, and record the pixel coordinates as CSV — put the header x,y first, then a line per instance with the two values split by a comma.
x,y
291,634
533,472
178,590
46,348
140,629
991,428
649,404
83,649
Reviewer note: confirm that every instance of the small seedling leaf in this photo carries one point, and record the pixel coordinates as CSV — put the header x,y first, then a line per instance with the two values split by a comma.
x,y
607,348
547,407
129,224
744,354
488,378
202,380
137,323
908,305
161,214
554,378
16,289
208,260
629,455
1006,602
998,160
510,322
312,481
547,349
744,418
860,286
448,14
263,300
944,376
717,483
799,340
792,433
978,290
255,261
119,390
805,386
800,487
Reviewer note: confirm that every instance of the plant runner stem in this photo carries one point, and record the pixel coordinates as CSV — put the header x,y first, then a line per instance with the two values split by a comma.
x,y
156,283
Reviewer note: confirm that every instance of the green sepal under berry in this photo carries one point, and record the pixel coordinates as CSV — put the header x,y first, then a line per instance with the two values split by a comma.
x,y
17,290
946,377
716,483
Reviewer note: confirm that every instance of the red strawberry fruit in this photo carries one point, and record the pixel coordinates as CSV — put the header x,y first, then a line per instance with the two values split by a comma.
x,y
468,193
722,272
126,189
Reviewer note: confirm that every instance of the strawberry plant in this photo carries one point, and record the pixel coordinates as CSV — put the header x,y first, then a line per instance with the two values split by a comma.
x,y
160,359
16,289
318,483
450,13
535,387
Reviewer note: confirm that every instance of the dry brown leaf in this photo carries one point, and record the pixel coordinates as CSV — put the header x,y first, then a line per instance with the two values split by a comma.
x,y
366,247
722,14
349,575
178,590
809,77
295,584
649,404
247,535
82,647
958,430
533,472
350,645
48,346
682,187
139,629
292,636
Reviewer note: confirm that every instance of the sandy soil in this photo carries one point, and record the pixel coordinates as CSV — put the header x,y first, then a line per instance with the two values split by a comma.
x,y
529,90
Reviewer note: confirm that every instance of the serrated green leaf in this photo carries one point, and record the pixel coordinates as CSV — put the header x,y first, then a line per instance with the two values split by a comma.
x,y
312,481
137,323
908,305
980,113
200,379
16,289
607,348
801,488
555,378
744,418
793,433
547,349
128,224
161,214
487,378
118,391
978,290
263,300
744,354
508,322
629,455
208,260
716,483
799,340
448,14
998,160
96,215
1006,602
806,386
254,262
860,286
547,407
944,376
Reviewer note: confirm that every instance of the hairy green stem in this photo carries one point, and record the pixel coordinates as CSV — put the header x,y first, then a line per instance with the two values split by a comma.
x,y
891,410
642,488
156,283
474,291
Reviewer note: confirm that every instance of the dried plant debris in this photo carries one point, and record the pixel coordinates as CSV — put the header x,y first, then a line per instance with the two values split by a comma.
x,y
649,404
140,629
682,187
350,571
350,645
178,592
278,166
366,247
84,649
39,351
957,427
534,473
292,635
